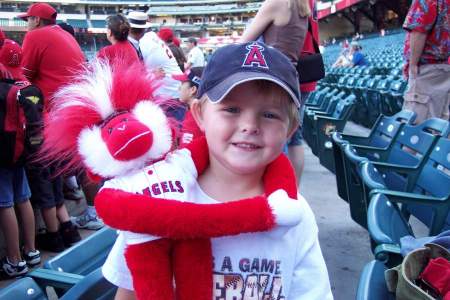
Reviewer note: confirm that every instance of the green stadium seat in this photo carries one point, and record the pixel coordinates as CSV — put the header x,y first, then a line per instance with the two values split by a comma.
x,y
383,132
70,266
386,226
419,139
310,118
394,99
23,289
92,286
427,194
372,285
326,125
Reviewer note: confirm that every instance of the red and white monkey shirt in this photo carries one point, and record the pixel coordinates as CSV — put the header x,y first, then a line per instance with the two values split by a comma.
x,y
284,263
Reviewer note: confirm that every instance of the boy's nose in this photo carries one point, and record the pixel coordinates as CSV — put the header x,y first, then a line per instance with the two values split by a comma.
x,y
250,125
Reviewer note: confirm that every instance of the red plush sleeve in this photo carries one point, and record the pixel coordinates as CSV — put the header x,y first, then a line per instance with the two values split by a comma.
x,y
199,153
182,220
280,175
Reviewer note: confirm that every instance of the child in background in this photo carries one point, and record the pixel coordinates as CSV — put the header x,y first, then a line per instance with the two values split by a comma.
x,y
27,101
248,109
188,91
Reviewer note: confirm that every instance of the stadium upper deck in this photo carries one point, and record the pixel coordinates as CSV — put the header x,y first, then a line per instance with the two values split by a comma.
x,y
206,18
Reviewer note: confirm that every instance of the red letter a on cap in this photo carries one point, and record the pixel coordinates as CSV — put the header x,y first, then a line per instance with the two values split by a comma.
x,y
254,57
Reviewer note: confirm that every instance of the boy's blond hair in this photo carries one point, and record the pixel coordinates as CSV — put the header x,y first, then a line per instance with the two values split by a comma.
x,y
276,93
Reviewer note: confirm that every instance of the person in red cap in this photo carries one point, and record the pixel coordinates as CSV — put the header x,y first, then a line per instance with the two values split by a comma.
x,y
51,57
20,117
190,82
166,34
3,71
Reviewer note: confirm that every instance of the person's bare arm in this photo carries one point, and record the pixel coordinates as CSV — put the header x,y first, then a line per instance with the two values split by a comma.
x,y
123,294
416,43
266,15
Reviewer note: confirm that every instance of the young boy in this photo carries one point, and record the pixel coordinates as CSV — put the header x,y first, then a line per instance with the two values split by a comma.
x,y
188,91
248,108
14,189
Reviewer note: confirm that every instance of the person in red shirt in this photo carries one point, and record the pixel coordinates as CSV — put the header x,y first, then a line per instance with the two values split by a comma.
x,y
188,91
296,152
51,58
426,55
120,48
4,73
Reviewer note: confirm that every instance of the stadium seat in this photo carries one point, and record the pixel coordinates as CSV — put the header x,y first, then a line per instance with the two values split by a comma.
x,y
386,226
92,286
372,285
427,194
327,125
419,139
394,99
23,289
311,116
70,266
383,132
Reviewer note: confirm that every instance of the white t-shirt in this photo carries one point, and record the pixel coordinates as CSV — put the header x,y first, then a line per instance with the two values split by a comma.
x,y
285,263
196,57
156,55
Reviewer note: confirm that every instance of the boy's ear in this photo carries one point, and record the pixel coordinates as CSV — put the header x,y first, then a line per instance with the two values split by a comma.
x,y
193,90
292,130
196,111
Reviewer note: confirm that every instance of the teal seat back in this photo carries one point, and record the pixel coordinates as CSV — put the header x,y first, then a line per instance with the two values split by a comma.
x,y
23,289
92,286
434,180
343,106
87,255
386,224
372,285
386,128
398,86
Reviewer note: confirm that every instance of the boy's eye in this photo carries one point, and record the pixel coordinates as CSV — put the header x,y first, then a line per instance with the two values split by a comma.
x,y
270,115
232,109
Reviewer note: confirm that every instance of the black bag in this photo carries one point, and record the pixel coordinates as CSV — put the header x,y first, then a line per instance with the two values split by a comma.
x,y
15,140
310,67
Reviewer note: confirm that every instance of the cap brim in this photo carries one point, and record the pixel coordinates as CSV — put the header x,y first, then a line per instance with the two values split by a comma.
x,y
180,77
24,16
146,25
218,92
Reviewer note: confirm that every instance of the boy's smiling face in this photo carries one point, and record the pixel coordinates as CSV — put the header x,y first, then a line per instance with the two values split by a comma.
x,y
247,130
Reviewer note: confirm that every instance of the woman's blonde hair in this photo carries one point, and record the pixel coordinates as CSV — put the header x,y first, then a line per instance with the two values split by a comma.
x,y
304,10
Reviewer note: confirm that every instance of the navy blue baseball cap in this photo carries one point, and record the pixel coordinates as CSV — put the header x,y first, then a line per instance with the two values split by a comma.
x,y
234,64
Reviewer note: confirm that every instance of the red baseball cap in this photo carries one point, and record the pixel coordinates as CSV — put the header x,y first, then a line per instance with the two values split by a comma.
x,y
41,10
193,75
11,58
166,34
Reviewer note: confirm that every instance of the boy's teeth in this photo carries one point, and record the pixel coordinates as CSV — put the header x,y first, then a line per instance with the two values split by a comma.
x,y
249,146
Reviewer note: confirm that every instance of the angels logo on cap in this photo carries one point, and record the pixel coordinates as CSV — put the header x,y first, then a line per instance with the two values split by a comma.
x,y
237,63
255,57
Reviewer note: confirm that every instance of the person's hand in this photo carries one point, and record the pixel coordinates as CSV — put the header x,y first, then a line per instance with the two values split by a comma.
x,y
159,73
413,71
287,211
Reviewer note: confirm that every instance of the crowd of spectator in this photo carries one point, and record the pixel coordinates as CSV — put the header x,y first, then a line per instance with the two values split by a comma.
x,y
50,57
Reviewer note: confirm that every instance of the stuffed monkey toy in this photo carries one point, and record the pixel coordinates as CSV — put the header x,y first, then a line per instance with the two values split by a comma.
x,y
109,123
